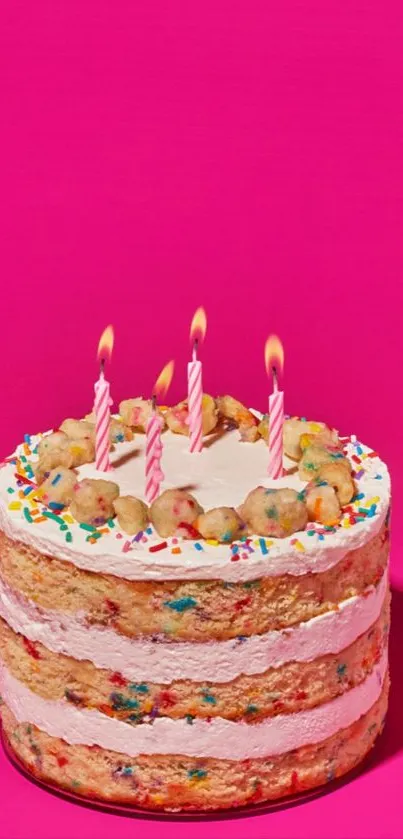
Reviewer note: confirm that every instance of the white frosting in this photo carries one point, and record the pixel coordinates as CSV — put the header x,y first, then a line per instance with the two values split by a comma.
x,y
222,474
217,661
218,738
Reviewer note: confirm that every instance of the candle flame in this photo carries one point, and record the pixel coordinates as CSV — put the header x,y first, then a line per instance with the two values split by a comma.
x,y
199,325
273,352
105,345
164,380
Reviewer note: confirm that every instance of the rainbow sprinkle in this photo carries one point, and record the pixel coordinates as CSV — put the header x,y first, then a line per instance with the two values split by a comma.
x,y
298,545
15,505
159,547
54,517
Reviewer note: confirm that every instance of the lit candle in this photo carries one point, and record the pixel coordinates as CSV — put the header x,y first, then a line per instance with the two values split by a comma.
x,y
154,473
195,383
103,404
274,352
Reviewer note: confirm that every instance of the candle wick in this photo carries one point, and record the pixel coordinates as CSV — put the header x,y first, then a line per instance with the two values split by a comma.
x,y
275,379
154,402
195,348
102,366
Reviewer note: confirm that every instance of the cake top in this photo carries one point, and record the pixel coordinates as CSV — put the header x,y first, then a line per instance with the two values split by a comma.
x,y
322,512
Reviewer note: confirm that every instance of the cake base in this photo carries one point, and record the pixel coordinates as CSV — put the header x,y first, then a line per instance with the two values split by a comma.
x,y
222,787
130,811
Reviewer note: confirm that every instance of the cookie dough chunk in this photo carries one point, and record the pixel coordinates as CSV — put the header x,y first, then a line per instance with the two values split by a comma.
x,y
274,512
313,458
118,431
209,414
263,428
58,449
78,429
58,489
175,512
93,501
55,442
132,514
234,411
221,523
322,504
338,475
135,413
82,451
53,450
325,439
295,428
177,418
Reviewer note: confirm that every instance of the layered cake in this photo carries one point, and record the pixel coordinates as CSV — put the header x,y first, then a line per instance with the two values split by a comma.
x,y
226,644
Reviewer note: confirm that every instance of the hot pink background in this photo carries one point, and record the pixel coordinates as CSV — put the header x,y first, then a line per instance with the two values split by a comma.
x,y
246,156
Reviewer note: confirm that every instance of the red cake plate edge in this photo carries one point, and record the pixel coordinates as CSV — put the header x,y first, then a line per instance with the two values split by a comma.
x,y
131,811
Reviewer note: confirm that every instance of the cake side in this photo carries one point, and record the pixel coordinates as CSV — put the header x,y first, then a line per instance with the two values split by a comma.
x,y
289,687
175,782
190,610
163,660
278,714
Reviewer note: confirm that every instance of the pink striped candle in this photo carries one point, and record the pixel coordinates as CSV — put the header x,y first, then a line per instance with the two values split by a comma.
x,y
195,384
276,422
154,474
102,406
274,350
195,401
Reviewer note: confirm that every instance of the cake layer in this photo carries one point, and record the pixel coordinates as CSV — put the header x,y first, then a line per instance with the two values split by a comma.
x,y
190,610
289,688
139,659
223,474
177,782
218,737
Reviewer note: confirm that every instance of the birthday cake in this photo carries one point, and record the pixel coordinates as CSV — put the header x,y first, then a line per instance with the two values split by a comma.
x,y
223,646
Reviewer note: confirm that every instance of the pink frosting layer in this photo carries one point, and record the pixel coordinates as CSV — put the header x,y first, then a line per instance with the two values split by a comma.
x,y
218,738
